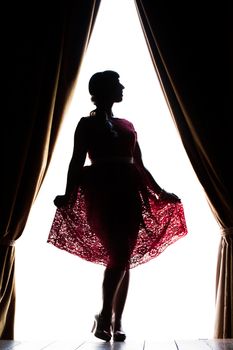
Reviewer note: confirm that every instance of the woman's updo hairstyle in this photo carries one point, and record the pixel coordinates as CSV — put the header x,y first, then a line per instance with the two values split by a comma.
x,y
101,84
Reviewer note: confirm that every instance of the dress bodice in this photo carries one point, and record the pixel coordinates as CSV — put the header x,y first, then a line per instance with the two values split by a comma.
x,y
114,138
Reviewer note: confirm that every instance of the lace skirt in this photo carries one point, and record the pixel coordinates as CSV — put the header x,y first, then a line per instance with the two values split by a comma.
x,y
114,218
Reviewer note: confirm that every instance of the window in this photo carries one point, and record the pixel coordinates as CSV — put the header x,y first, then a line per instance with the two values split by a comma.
x,y
173,295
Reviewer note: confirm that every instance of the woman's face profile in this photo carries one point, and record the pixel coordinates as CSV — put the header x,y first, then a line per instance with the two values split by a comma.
x,y
116,91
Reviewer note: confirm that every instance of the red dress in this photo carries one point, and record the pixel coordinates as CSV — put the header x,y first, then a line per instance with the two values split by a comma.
x,y
114,215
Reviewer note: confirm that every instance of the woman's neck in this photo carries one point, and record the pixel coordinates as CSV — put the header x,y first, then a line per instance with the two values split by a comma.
x,y
105,110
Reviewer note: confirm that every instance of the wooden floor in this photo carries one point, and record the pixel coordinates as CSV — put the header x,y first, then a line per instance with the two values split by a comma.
x,y
203,344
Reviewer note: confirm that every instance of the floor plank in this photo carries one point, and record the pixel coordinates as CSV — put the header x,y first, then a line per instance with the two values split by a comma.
x,y
100,345
27,345
205,344
39,345
8,344
168,345
64,345
192,345
220,344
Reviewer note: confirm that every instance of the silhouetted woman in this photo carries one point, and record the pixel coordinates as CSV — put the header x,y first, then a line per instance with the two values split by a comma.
x,y
113,212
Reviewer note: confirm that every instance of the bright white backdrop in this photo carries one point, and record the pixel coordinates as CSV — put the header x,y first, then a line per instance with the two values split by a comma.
x,y
171,296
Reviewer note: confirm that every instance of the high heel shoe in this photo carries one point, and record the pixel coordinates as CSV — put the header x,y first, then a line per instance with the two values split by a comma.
x,y
100,329
118,333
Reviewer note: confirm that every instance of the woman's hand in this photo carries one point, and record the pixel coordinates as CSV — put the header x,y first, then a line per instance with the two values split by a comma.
x,y
171,197
61,200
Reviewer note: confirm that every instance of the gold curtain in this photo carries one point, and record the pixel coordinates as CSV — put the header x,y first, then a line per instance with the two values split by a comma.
x,y
191,48
224,290
44,46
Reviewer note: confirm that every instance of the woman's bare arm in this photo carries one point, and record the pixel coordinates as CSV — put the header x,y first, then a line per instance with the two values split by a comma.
x,y
78,157
76,163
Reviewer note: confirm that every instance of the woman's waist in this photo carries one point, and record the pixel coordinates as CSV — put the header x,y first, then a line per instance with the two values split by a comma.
x,y
112,160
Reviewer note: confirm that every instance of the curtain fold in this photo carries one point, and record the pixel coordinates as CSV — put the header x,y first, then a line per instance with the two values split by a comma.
x,y
7,296
224,286
44,46
192,55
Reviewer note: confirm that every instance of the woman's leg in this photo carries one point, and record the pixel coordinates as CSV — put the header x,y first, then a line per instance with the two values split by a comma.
x,y
119,300
113,278
103,321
